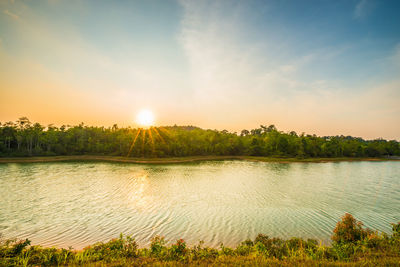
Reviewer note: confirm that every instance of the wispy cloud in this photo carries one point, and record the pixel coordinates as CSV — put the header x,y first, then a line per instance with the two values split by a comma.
x,y
231,73
363,9
229,69
11,14
229,78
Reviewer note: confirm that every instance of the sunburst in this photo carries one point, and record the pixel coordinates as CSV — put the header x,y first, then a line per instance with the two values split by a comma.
x,y
145,118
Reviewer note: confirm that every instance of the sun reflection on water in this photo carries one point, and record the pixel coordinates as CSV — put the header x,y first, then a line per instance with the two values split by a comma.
x,y
138,197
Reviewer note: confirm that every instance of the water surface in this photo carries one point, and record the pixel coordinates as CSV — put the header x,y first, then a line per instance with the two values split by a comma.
x,y
76,204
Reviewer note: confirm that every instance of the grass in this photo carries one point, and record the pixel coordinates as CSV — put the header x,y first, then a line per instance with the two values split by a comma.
x,y
180,159
353,245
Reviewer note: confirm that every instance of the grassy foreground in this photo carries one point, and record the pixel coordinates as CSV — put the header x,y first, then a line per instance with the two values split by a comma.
x,y
352,245
179,159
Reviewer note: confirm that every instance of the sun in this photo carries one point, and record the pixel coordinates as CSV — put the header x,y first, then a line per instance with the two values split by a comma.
x,y
145,118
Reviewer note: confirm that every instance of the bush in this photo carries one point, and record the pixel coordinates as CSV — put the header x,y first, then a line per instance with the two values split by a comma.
x,y
351,242
203,253
348,230
178,250
115,248
12,247
157,246
245,248
396,230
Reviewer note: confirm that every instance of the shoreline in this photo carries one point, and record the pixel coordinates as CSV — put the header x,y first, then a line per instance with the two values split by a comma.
x,y
348,248
173,160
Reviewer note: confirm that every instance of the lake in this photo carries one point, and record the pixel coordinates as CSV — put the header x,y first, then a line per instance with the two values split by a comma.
x,y
79,203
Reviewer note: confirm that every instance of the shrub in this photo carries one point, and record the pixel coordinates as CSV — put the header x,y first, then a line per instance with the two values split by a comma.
x,y
178,250
348,230
203,253
350,242
245,248
157,246
226,250
373,240
115,248
274,247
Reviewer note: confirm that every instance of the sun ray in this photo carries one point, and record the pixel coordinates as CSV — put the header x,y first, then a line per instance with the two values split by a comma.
x,y
143,139
152,141
133,143
158,134
164,130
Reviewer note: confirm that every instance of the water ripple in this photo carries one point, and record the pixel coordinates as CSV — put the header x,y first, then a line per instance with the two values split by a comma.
x,y
77,204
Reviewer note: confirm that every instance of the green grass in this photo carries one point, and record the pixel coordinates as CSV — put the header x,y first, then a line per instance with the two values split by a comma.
x,y
352,245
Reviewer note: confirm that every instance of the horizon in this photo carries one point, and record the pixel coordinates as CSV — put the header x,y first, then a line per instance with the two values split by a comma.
x,y
331,69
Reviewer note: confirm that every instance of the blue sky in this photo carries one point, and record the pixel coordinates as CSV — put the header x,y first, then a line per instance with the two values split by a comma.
x,y
324,67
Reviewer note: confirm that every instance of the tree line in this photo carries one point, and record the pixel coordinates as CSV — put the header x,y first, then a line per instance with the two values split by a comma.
x,y
24,138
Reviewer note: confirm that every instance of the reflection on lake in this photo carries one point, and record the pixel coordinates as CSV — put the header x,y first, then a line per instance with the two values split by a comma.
x,y
77,204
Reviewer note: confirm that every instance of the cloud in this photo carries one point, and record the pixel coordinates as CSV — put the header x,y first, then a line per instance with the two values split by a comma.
x,y
227,68
223,66
363,9
236,85
9,13
230,80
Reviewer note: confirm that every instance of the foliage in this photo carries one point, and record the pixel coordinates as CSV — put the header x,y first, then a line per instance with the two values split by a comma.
x,y
348,230
352,245
396,230
23,138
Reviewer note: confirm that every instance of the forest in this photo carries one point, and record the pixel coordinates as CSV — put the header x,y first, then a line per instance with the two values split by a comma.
x,y
24,139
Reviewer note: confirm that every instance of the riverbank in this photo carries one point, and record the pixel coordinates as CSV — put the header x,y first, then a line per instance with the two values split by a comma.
x,y
179,159
353,245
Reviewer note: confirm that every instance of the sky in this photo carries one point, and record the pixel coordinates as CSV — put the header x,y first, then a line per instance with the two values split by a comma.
x,y
320,67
